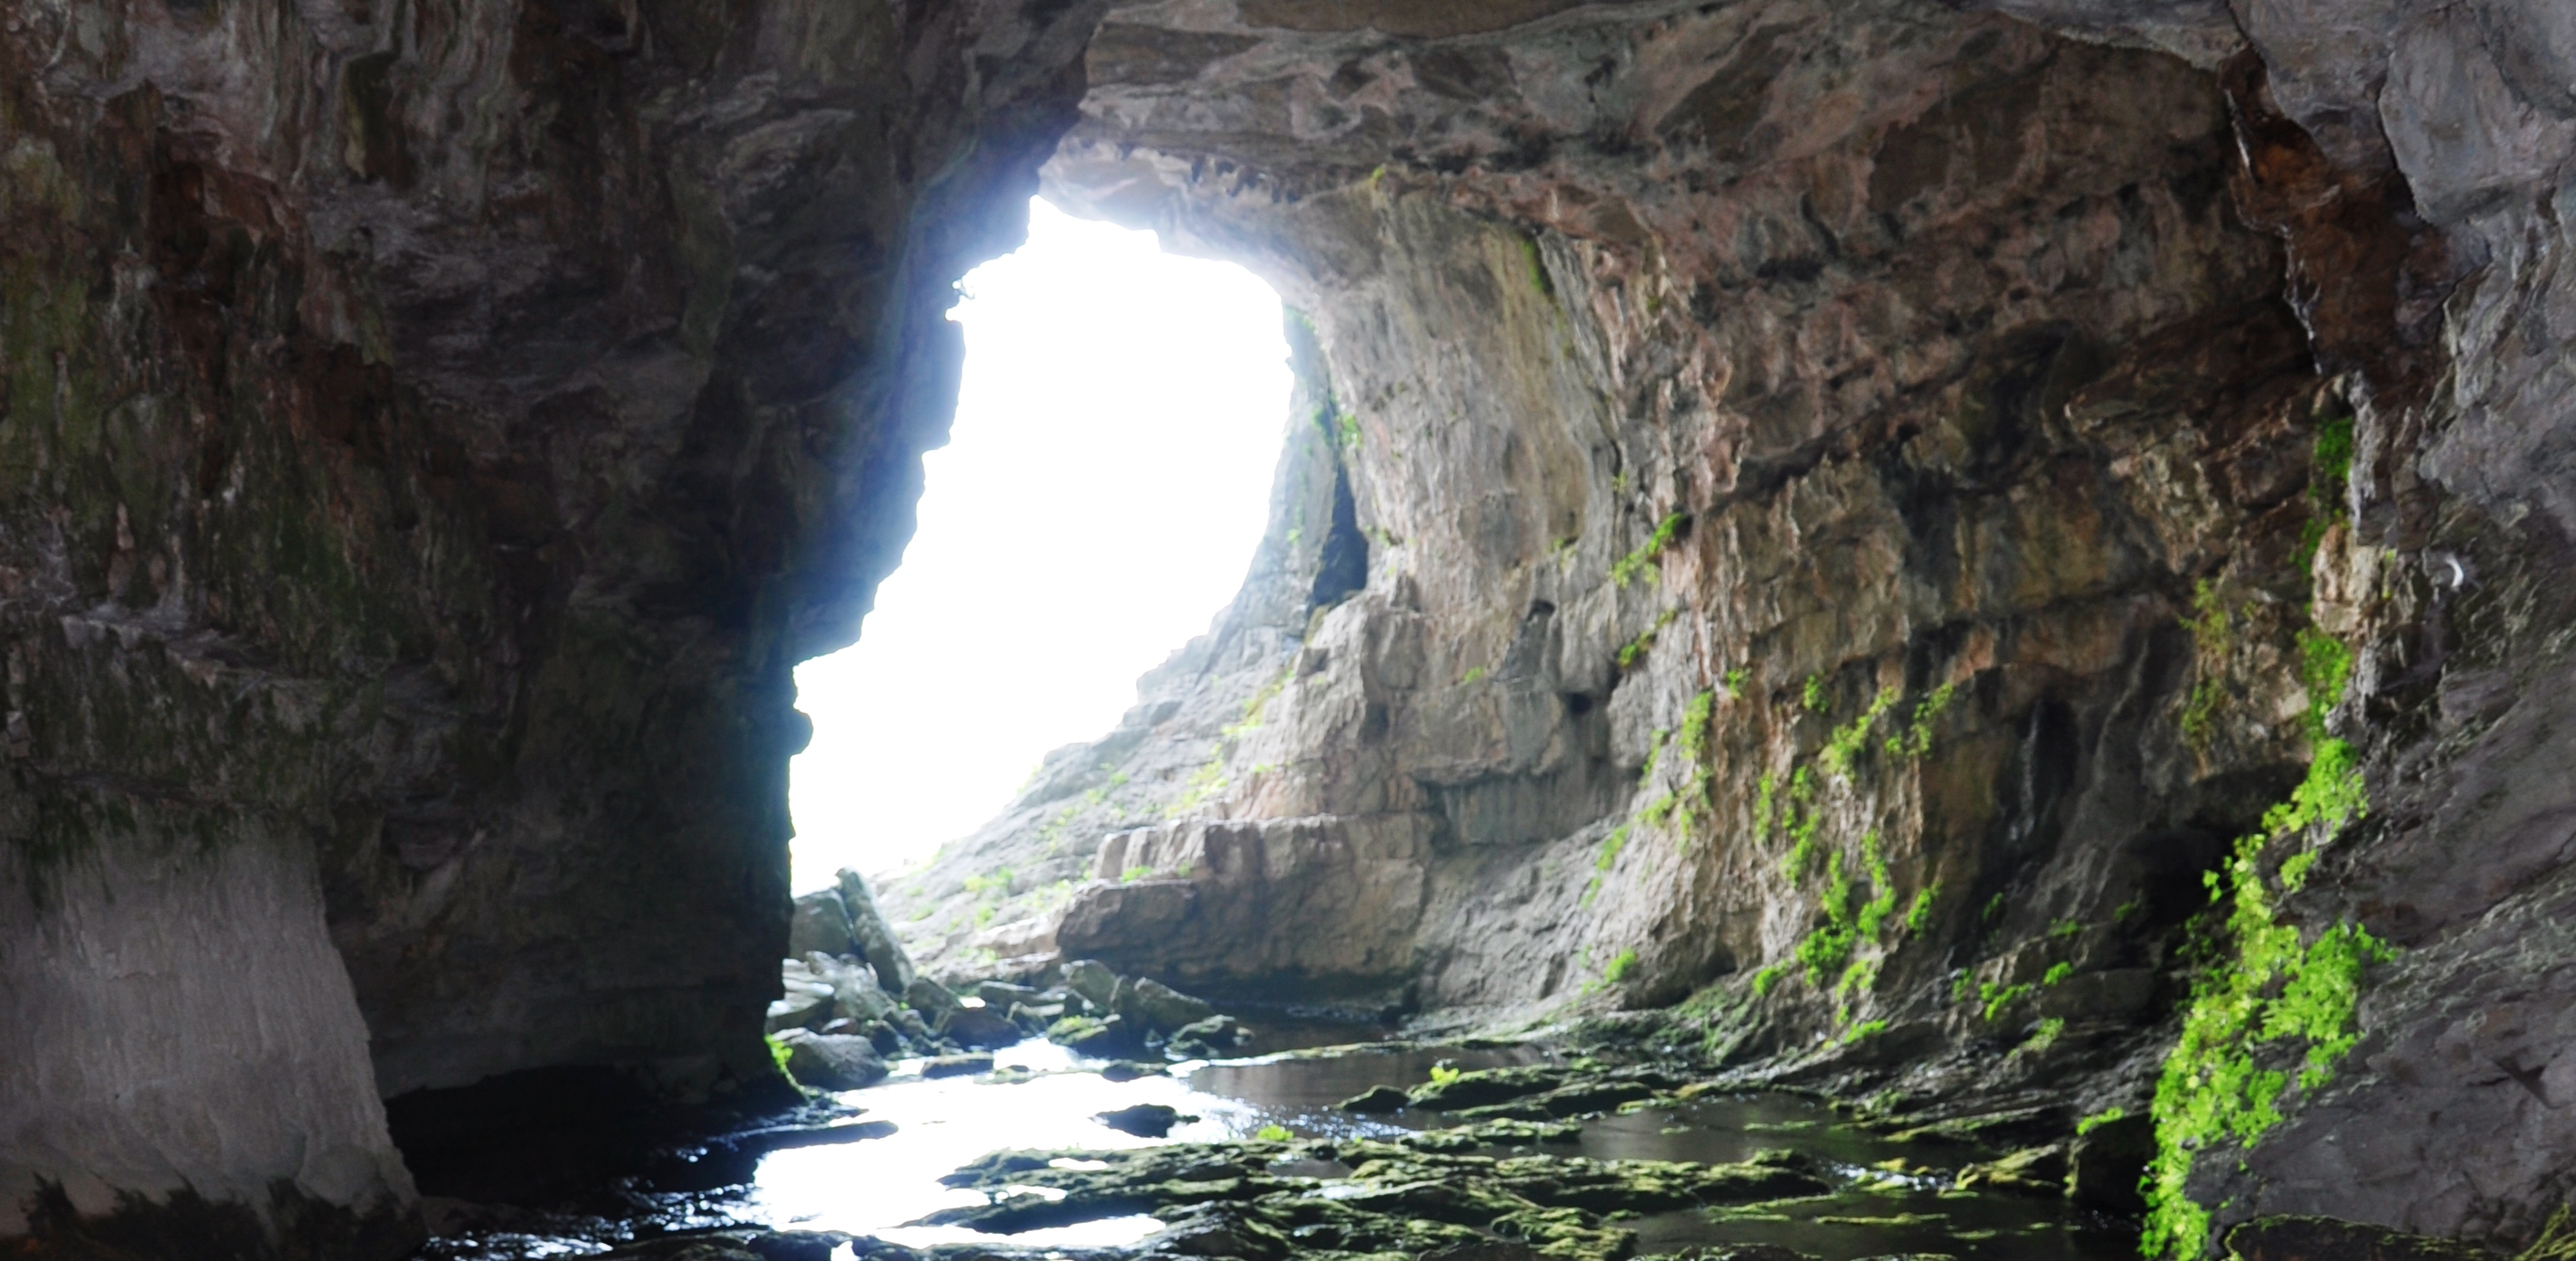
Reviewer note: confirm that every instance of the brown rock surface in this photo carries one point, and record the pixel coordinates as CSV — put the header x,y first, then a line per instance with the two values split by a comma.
x,y
429,436
1955,352
1758,470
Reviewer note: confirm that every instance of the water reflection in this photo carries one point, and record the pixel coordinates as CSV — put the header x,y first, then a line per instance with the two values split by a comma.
x,y
1892,1196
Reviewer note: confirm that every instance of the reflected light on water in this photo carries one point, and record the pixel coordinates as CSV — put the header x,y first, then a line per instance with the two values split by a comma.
x,y
878,1186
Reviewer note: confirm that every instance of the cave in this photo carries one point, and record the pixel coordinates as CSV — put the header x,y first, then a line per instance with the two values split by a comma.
x,y
1987,562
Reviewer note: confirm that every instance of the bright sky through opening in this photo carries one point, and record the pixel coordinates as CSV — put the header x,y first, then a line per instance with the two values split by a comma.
x,y
1097,504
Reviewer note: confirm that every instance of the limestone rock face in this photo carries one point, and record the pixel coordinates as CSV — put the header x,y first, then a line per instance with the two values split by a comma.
x,y
428,440
1785,464
1850,500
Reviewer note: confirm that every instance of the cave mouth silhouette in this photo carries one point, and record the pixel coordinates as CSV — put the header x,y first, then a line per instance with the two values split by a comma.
x,y
1104,485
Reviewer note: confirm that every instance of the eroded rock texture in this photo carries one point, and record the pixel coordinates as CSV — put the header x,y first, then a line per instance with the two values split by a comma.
x,y
1811,506
1843,502
429,435
1927,366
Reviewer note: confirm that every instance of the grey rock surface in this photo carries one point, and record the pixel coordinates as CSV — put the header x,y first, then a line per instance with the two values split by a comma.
x,y
432,438
176,1020
1956,351
826,1061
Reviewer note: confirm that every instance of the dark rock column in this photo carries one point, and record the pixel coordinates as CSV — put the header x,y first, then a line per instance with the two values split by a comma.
x,y
429,437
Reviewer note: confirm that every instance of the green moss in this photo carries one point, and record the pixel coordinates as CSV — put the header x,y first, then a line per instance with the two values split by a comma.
x,y
1846,741
2270,987
778,1053
1610,847
1620,967
1473,676
2212,636
2557,1240
1203,785
2329,476
1874,913
1812,695
1763,789
1640,562
1858,977
1768,977
1862,1030
2043,1037
1635,649
1918,915
2099,1119
1691,742
1736,681
1995,998
1537,268
2058,973
2325,667
1603,859
2331,458
1916,739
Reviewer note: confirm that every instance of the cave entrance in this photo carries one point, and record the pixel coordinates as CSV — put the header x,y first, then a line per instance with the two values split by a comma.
x,y
1103,489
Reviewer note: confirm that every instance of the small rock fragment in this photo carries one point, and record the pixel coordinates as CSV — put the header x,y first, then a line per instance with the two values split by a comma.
x,y
956,1065
1376,1100
982,1029
1144,1120
831,1061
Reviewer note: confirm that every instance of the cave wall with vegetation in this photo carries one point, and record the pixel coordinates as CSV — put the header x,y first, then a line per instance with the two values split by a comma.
x,y
429,436
1835,527
1999,558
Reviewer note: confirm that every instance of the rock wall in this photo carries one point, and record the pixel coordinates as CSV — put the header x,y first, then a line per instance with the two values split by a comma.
x,y
432,433
1840,513
1857,524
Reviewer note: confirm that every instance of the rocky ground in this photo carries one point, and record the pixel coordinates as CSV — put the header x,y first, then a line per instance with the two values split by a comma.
x,y
1500,1174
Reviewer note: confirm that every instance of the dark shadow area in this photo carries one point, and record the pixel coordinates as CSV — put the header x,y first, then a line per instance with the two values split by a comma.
x,y
587,1138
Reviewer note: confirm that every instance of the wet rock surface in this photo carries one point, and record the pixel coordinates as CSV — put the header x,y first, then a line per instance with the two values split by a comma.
x,y
1256,1168
1817,523
1853,528
431,439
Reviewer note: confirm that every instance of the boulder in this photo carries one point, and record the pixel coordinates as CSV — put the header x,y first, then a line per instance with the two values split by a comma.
x,y
1036,1019
983,1029
874,941
956,1065
831,1061
820,924
1002,994
1109,1037
1158,1007
934,1001
1210,1038
1092,980
805,999
797,1010
1376,1101
1145,1120
1479,1088
2031,1171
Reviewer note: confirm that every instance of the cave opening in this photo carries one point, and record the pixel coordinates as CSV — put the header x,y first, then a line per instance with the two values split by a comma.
x,y
1104,483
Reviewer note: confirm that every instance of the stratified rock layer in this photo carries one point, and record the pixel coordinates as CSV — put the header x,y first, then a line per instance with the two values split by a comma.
x,y
1854,506
429,436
